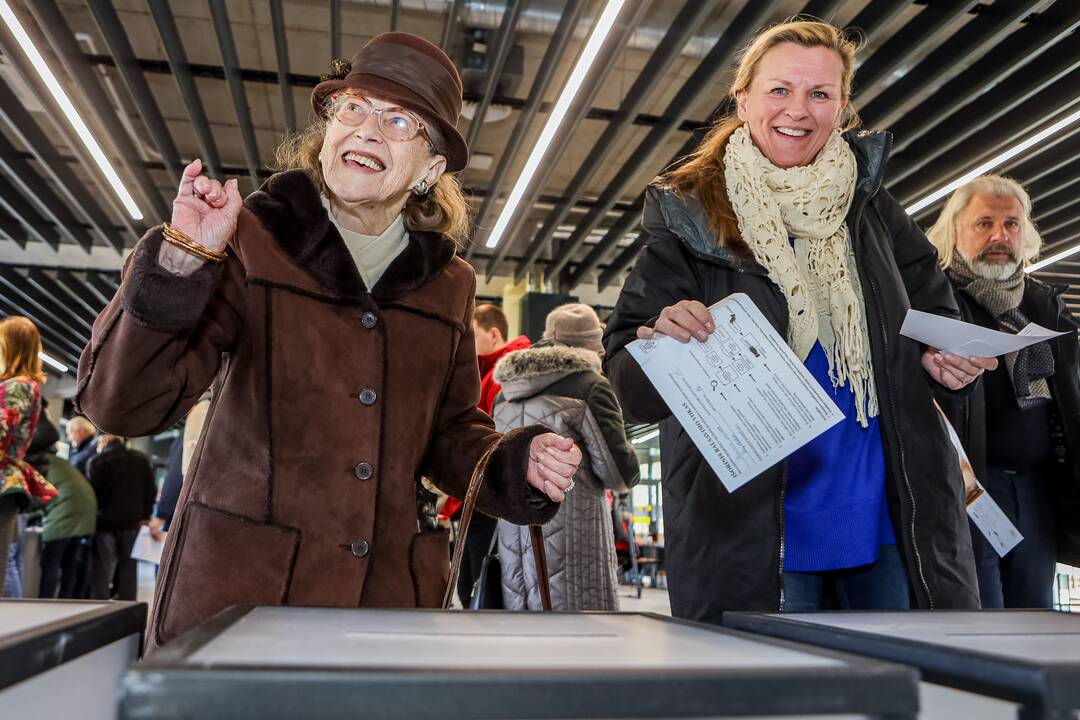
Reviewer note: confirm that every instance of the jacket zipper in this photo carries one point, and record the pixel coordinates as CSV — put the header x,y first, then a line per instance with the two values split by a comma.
x,y
900,445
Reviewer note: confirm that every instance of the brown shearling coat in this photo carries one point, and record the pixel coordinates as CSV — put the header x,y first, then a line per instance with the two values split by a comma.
x,y
329,403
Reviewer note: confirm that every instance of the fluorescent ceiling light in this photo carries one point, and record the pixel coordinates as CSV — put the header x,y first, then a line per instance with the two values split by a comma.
x,y
993,162
646,437
49,360
73,116
1054,258
573,84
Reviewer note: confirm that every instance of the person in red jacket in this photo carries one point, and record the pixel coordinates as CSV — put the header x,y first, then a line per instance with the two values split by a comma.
x,y
490,329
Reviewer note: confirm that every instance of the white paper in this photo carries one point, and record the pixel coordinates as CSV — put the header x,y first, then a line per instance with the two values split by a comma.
x,y
987,515
966,339
146,548
742,396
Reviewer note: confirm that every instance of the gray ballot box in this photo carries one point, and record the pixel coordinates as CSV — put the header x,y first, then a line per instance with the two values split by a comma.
x,y
1028,660
65,658
293,662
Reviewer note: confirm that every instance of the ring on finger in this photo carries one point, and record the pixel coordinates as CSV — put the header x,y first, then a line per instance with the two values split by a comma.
x,y
570,486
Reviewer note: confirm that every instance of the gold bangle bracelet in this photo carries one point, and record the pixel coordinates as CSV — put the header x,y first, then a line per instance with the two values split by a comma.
x,y
182,241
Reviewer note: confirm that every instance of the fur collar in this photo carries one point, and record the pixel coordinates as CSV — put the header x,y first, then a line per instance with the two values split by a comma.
x,y
289,206
526,372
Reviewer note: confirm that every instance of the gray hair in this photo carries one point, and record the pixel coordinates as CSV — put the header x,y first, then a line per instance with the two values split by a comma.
x,y
943,233
80,424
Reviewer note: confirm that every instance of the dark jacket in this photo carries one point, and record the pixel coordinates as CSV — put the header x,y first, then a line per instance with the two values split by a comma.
x,y
123,481
329,403
562,388
82,455
1042,304
724,551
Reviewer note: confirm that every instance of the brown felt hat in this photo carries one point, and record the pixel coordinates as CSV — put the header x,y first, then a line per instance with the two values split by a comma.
x,y
412,72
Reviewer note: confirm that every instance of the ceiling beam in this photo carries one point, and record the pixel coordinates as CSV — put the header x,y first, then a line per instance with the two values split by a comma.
x,y
53,23
497,58
13,202
992,25
79,280
15,291
281,50
544,74
123,57
220,17
72,190
681,29
185,82
55,343
629,19
704,76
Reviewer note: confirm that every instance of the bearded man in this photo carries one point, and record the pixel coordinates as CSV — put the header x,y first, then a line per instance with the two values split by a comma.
x,y
1021,425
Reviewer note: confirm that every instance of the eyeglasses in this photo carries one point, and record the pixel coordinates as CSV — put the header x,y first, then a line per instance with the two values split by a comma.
x,y
395,123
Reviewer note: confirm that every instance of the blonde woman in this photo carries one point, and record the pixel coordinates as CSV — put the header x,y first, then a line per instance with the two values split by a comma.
x,y
784,202
21,377
333,318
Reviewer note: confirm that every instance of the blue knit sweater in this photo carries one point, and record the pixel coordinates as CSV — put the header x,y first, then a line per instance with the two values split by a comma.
x,y
835,510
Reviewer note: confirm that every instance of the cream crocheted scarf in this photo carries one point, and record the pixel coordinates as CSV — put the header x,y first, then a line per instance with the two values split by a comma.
x,y
817,274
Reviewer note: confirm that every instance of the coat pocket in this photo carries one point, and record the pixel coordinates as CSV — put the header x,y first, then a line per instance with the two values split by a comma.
x,y
222,560
429,564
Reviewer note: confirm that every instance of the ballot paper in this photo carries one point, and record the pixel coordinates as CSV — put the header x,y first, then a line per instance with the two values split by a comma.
x,y
966,339
987,515
742,396
146,548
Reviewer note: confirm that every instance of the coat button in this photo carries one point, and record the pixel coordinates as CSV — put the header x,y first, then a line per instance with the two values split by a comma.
x,y
363,471
368,396
369,319
360,548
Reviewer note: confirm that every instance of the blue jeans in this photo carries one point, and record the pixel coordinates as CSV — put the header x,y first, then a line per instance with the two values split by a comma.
x,y
1024,578
882,585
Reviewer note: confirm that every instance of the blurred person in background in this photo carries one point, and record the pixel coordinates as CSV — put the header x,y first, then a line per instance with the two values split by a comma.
x,y
82,436
69,519
1021,426
21,376
784,202
123,482
558,383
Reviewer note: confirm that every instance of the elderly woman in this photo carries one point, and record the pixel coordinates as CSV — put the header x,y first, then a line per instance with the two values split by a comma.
x,y
333,318
783,204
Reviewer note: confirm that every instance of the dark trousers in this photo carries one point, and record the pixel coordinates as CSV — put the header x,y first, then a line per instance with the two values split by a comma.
x,y
882,585
1024,578
477,544
63,567
9,524
113,574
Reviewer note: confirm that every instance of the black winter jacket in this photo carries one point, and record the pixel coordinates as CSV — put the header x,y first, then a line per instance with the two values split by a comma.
x,y
1044,305
724,551
123,481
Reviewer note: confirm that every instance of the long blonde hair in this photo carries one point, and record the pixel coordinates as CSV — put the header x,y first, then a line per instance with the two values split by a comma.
x,y
20,349
701,174
943,234
442,209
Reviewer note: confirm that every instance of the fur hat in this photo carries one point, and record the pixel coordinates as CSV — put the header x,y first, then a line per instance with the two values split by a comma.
x,y
576,325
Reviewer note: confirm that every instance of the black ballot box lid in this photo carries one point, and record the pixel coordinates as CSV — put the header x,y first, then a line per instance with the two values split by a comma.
x,y
284,662
1030,657
39,635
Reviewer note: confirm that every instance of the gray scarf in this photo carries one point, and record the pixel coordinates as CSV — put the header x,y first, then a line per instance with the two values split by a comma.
x,y
1028,368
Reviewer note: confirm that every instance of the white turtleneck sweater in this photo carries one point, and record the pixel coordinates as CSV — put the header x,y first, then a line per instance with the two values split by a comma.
x,y
372,253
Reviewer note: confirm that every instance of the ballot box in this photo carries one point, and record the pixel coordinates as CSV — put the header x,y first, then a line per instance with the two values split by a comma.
x,y
291,662
987,664
65,658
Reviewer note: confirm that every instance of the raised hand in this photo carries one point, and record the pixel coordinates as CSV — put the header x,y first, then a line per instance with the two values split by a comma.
x,y
553,460
204,209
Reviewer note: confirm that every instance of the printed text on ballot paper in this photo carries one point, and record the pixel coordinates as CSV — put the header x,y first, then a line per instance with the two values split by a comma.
x,y
742,396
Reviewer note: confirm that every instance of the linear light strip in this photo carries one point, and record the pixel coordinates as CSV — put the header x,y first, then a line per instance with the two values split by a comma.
x,y
993,162
573,84
1053,258
50,360
73,116
646,437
